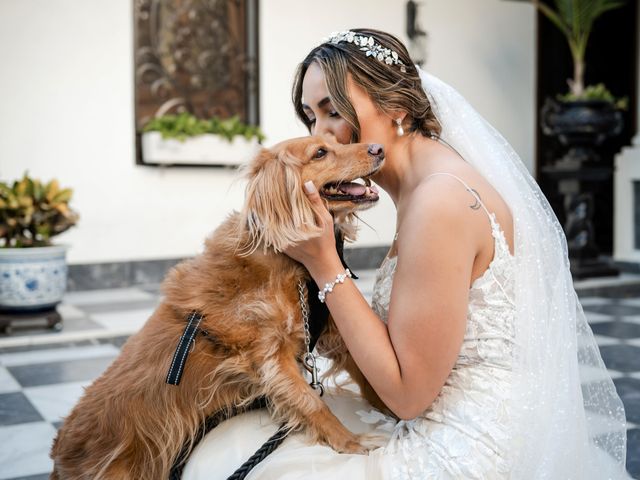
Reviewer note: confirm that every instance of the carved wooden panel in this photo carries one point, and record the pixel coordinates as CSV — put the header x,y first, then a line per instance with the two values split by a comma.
x,y
199,56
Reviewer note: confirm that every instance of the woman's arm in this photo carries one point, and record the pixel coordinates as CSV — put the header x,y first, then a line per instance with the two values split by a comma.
x,y
408,361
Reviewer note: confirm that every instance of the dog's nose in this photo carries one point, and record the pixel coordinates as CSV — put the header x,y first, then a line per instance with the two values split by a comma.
x,y
375,149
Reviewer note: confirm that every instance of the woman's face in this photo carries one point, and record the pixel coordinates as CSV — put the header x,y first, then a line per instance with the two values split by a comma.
x,y
317,105
375,126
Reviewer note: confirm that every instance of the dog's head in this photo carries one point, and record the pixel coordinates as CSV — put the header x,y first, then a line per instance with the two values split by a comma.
x,y
277,211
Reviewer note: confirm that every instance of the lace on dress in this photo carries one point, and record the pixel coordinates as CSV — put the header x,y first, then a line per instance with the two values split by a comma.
x,y
464,434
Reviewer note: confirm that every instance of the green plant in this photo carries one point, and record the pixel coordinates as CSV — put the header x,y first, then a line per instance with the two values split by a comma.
x,y
575,20
187,125
597,92
32,212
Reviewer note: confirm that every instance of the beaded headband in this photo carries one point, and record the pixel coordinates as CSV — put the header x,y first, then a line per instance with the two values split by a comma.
x,y
369,46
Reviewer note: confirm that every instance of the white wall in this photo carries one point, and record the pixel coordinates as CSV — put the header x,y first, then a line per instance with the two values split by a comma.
x,y
66,94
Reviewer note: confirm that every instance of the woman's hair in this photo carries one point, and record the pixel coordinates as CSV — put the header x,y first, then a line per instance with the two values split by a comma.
x,y
389,88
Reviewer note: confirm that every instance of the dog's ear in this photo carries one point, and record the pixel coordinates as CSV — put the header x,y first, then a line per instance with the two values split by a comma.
x,y
277,212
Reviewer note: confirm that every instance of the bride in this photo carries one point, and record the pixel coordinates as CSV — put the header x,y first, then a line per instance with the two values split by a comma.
x,y
475,338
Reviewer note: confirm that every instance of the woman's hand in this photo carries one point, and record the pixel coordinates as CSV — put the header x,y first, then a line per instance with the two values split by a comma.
x,y
321,250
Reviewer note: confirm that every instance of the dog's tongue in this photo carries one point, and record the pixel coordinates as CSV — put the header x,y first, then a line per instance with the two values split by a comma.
x,y
354,189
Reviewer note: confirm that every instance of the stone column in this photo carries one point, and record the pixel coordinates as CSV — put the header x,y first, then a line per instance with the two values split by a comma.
x,y
626,247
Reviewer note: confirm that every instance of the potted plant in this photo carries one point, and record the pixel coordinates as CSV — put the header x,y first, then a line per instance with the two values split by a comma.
x,y
185,139
581,120
33,272
585,116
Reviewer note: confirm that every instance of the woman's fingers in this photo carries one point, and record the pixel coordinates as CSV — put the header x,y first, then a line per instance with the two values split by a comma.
x,y
317,204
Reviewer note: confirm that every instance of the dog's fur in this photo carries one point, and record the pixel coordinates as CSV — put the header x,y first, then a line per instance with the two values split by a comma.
x,y
130,424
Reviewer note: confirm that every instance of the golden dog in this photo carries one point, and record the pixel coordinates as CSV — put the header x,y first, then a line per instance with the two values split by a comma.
x,y
130,424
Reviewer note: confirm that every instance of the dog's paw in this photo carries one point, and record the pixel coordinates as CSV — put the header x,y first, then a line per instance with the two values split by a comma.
x,y
348,443
374,440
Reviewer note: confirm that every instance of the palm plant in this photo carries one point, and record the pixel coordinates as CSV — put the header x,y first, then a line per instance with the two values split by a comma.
x,y
575,19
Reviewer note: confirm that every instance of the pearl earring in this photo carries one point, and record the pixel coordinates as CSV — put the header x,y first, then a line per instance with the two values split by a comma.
x,y
400,130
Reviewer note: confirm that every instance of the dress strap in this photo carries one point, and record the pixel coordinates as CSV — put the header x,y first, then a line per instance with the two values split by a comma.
x,y
472,192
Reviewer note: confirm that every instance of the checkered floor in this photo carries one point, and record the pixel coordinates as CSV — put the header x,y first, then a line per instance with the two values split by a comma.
x,y
42,373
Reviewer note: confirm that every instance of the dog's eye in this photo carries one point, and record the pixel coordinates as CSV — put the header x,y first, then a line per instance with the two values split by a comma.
x,y
320,153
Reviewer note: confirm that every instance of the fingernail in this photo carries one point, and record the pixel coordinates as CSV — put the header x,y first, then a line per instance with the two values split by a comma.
x,y
310,187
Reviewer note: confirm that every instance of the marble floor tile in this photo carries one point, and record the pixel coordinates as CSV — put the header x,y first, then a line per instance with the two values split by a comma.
x,y
629,391
54,402
117,342
69,311
7,382
594,301
111,295
60,372
593,317
15,408
632,411
602,340
114,307
123,322
613,309
633,319
631,301
624,358
42,476
57,355
628,387
25,449
618,329
633,452
72,325
47,346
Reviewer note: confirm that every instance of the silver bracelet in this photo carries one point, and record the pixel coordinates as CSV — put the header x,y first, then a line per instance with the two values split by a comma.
x,y
328,287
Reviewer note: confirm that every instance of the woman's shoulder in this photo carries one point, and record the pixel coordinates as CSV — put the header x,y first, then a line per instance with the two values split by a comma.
x,y
444,193
439,212
463,195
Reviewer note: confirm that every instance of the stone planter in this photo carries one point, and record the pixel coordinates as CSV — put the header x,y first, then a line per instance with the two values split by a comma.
x,y
206,149
581,125
32,279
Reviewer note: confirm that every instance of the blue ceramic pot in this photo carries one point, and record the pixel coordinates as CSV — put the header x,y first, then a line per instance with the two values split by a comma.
x,y
32,278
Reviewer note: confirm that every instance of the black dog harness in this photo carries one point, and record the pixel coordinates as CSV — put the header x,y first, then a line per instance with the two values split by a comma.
x,y
182,350
318,319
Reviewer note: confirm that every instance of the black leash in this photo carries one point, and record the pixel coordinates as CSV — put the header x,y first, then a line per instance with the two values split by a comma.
x,y
268,447
213,421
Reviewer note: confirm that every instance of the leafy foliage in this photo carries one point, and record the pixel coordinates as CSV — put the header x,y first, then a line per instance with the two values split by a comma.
x,y
575,20
32,212
187,125
597,92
